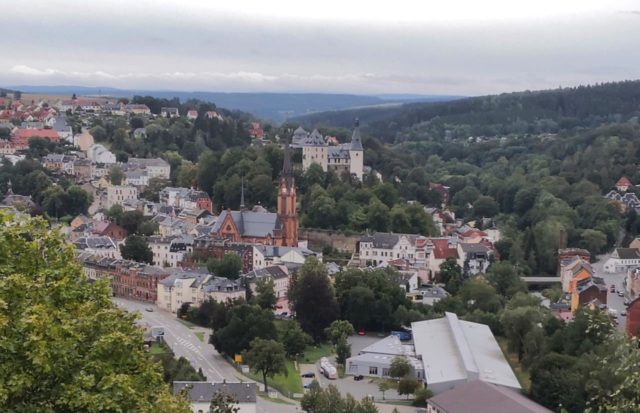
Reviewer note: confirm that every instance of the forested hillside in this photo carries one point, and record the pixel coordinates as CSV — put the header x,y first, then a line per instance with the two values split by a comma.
x,y
495,115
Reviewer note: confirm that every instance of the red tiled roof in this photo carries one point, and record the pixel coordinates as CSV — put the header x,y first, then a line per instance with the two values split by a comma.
x,y
442,250
624,181
472,233
41,133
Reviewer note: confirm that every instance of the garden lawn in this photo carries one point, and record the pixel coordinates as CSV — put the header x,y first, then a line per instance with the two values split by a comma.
x,y
287,385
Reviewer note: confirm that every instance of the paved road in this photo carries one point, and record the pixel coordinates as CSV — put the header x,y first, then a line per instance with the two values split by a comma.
x,y
200,354
614,301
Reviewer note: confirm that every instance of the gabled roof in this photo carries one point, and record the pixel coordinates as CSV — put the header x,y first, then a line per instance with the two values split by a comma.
x,y
454,350
314,139
249,223
443,249
628,253
624,181
481,397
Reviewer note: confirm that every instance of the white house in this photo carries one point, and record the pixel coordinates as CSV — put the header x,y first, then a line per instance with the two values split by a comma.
x,y
279,274
267,255
169,251
381,248
200,394
99,154
622,260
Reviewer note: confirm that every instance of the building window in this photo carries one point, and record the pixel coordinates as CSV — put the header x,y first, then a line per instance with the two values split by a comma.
x,y
373,371
385,372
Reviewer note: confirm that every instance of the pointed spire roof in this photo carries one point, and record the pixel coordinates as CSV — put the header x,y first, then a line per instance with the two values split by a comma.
x,y
356,141
287,167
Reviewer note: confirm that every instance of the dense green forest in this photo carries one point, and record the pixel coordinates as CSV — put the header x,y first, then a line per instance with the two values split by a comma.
x,y
530,112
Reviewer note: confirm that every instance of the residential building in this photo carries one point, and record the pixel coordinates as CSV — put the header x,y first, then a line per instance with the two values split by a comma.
x,y
170,251
256,131
632,282
109,229
100,246
475,257
192,114
82,169
633,318
205,246
572,270
155,167
201,393
60,163
222,289
21,137
186,198
137,109
136,178
267,228
344,158
588,290
428,294
481,397
169,112
381,248
118,194
623,184
99,154
622,260
128,279
181,286
279,274
440,249
268,255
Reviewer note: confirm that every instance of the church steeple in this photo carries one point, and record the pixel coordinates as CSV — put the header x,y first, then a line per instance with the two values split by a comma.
x,y
356,141
287,202
287,168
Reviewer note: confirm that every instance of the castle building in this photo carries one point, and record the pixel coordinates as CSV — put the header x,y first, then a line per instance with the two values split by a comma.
x,y
347,157
259,227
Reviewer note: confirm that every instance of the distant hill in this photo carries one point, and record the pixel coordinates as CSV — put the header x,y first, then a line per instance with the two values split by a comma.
x,y
519,112
274,106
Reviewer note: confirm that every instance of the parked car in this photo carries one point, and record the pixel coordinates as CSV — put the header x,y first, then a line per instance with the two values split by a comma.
x,y
612,288
620,293
306,386
361,332
358,377
149,309
623,314
308,375
627,302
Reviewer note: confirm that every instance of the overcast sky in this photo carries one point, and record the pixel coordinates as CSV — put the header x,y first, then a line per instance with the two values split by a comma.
x,y
426,47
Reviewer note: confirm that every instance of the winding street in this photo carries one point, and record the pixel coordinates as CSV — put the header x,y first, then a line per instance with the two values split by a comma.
x,y
184,343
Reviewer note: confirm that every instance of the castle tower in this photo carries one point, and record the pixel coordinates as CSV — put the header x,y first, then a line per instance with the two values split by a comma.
x,y
287,202
356,152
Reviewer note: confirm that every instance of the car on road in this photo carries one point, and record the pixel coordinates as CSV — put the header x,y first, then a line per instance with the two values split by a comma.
x,y
308,375
361,332
612,288
149,309
627,302
623,314
358,377
620,293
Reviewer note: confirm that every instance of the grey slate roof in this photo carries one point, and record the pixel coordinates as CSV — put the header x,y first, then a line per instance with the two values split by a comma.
x,y
143,162
221,284
628,253
338,152
356,141
201,391
481,397
273,271
314,139
94,242
251,224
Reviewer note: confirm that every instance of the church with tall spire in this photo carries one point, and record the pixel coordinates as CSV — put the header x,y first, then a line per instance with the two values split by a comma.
x,y
341,159
259,226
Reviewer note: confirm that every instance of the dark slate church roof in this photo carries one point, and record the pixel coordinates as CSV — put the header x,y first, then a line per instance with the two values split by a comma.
x,y
251,224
